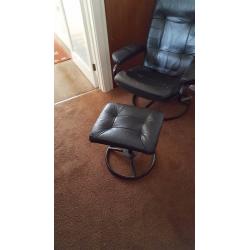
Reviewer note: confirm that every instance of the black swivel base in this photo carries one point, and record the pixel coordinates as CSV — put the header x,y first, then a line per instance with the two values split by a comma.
x,y
131,155
182,100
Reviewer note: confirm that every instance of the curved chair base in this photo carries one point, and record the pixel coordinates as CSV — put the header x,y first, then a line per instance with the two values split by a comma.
x,y
185,101
131,155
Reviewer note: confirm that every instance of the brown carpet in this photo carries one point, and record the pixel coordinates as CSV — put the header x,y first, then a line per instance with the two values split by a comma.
x,y
95,210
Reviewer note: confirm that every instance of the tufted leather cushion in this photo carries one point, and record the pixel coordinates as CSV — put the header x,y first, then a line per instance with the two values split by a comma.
x,y
170,45
128,127
148,83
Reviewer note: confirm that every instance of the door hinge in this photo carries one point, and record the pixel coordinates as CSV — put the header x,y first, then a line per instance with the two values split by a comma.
x,y
94,67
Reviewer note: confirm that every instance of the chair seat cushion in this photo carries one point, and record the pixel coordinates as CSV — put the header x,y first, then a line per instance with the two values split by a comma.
x,y
128,127
148,83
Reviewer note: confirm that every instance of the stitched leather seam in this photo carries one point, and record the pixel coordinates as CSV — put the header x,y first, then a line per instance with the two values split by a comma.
x,y
139,135
170,20
142,134
163,31
128,129
101,133
142,142
190,27
138,118
106,129
169,51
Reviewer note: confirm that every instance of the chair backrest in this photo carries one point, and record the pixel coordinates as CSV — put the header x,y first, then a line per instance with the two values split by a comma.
x,y
170,45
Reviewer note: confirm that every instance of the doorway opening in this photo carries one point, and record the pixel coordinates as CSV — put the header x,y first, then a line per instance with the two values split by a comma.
x,y
74,73
69,80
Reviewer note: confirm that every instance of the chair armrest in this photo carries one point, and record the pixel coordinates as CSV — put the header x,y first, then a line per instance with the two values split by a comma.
x,y
125,53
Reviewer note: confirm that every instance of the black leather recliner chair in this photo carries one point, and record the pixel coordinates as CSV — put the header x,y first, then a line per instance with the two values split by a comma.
x,y
169,56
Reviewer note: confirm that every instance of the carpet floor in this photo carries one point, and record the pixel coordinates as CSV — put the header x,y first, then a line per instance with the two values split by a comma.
x,y
95,210
69,81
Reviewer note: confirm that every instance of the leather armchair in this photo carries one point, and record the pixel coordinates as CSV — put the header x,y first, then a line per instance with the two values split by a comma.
x,y
169,63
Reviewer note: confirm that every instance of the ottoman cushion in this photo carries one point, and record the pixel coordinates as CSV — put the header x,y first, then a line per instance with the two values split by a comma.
x,y
128,127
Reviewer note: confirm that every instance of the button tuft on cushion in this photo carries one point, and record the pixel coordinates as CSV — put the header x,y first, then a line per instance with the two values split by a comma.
x,y
128,127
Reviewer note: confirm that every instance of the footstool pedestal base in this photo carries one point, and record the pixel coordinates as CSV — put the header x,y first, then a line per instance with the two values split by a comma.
x,y
131,155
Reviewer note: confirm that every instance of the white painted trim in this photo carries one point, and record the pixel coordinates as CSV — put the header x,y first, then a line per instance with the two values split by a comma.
x,y
65,39
86,21
86,69
84,64
99,34
67,26
74,97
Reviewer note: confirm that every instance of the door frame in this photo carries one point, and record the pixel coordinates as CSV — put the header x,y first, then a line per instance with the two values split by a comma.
x,y
84,68
99,44
90,73
94,18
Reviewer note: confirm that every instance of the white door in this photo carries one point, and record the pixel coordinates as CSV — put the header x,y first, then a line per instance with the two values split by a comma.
x,y
76,13
61,29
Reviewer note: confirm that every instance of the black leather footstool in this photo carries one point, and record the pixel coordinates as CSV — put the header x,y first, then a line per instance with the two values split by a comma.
x,y
128,129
